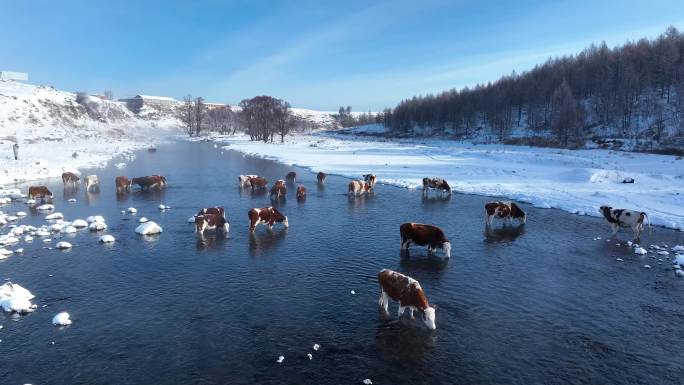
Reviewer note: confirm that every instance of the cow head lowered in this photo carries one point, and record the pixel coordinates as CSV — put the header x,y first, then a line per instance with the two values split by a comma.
x,y
408,292
424,235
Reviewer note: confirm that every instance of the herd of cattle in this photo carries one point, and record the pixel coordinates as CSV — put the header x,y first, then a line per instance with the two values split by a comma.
x,y
401,288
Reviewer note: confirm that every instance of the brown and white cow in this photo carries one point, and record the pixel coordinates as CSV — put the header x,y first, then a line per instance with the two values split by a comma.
x,y
122,184
39,192
278,190
265,215
212,210
211,221
321,177
424,235
291,177
258,183
625,218
161,180
371,179
301,193
70,178
243,180
359,187
91,183
504,210
408,293
438,184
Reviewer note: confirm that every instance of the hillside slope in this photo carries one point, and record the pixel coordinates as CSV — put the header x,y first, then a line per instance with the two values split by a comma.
x,y
58,130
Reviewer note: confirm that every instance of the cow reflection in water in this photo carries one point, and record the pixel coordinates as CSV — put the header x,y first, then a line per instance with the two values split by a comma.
x,y
210,240
422,260
263,242
435,198
503,234
410,345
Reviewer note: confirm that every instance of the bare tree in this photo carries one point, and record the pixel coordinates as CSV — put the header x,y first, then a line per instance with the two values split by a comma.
x,y
199,113
108,95
187,115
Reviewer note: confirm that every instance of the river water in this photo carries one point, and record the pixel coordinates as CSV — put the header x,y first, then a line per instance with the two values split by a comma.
x,y
543,304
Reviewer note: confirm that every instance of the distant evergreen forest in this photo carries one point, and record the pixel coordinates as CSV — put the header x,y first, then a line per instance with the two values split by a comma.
x,y
631,94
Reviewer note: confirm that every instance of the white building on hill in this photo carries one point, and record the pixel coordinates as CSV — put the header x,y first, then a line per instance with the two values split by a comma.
x,y
138,101
9,75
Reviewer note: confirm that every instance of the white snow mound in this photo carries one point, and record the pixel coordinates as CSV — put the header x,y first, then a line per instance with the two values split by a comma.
x,y
148,228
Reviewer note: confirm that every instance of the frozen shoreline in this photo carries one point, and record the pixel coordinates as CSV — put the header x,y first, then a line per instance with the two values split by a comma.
x,y
576,181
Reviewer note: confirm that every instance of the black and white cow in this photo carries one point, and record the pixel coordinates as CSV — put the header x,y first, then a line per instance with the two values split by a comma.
x,y
625,218
438,184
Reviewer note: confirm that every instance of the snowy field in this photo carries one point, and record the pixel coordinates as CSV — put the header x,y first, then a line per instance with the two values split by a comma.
x,y
56,133
577,181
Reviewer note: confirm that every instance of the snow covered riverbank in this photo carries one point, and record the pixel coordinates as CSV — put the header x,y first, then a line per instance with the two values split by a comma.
x,y
577,181
58,131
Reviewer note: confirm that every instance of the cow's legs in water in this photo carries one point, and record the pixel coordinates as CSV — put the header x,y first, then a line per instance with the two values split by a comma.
x,y
383,301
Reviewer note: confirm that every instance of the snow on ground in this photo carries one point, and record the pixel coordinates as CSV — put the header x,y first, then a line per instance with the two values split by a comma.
x,y
55,133
577,181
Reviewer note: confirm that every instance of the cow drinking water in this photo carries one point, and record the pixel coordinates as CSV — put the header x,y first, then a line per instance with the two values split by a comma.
x,y
91,183
371,179
424,235
438,184
408,293
243,180
69,178
39,192
321,177
505,211
122,184
291,177
359,187
301,193
625,218
265,215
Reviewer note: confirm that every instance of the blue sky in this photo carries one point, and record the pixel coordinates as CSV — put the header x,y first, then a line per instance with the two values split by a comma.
x,y
314,54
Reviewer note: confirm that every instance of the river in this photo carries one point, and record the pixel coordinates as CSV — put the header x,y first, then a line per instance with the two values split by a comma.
x,y
539,304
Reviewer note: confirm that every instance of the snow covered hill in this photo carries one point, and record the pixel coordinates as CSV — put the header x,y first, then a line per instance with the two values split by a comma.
x,y
58,130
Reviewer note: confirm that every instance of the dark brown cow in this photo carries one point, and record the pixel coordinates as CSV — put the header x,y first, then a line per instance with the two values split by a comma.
x,y
258,183
266,215
407,292
437,184
156,182
122,184
278,191
42,192
625,218
505,211
371,179
321,177
70,178
424,235
211,222
301,193
291,177
358,187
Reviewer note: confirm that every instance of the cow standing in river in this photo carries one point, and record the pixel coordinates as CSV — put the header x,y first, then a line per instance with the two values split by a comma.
x,y
69,178
265,215
506,211
424,235
438,184
408,293
122,184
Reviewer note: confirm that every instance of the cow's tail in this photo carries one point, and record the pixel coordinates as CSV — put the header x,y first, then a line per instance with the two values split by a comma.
x,y
650,229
